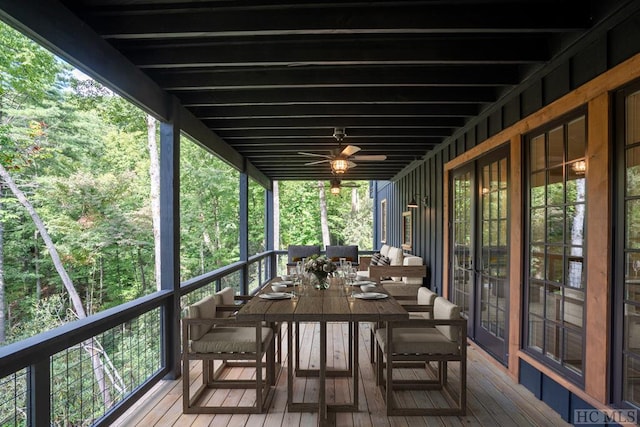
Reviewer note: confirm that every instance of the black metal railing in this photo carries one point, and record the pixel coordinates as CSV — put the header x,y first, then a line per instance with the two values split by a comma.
x,y
88,372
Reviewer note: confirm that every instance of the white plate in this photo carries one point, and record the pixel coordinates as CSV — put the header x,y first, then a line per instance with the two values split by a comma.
x,y
284,282
276,295
371,295
363,282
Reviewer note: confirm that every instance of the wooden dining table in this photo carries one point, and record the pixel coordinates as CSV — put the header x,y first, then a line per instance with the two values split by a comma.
x,y
322,306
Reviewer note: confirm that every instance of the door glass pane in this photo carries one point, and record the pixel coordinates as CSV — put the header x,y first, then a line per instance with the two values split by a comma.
x,y
632,134
576,139
632,219
573,351
537,153
631,373
555,187
633,172
537,262
538,225
556,147
576,187
555,224
573,306
538,189
575,225
632,277
553,301
536,298
553,335
536,336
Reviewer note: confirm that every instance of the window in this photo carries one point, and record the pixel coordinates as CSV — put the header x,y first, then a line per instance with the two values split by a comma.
x,y
383,221
555,278
629,196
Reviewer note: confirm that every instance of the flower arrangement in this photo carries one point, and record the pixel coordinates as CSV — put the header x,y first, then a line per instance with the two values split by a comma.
x,y
320,266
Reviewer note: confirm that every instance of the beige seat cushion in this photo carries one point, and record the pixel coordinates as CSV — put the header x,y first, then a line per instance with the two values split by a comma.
x,y
412,260
426,296
225,297
228,339
418,341
203,309
444,309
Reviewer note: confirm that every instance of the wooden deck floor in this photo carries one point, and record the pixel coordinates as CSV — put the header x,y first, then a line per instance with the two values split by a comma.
x,y
493,398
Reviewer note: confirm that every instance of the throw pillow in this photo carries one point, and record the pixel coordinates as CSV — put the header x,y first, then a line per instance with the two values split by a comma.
x,y
375,258
384,260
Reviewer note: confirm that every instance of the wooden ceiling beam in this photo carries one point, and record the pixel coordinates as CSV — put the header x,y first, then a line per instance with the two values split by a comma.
x,y
330,76
324,122
337,110
347,95
325,135
326,18
331,51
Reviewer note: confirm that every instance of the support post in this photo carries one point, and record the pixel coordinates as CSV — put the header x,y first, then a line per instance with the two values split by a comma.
x,y
244,231
170,239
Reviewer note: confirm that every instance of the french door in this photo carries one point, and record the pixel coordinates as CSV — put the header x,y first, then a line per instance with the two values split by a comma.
x,y
479,249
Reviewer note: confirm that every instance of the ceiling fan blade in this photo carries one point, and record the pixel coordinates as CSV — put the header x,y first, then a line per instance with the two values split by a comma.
x,y
370,157
317,162
350,185
349,150
315,155
352,165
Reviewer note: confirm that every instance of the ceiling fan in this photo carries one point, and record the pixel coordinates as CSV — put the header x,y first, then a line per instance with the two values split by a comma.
x,y
336,184
341,158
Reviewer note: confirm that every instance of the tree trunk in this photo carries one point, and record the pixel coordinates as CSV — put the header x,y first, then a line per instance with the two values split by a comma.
x,y
98,366
66,280
37,266
154,174
143,282
324,223
276,215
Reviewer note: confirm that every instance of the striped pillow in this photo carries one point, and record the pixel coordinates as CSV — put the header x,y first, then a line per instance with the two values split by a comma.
x,y
375,258
384,260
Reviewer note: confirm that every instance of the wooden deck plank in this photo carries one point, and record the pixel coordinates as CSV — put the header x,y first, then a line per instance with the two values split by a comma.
x,y
493,398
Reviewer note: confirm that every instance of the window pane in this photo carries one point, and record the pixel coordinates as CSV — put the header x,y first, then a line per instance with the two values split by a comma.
x,y
573,306
536,298
555,225
556,147
576,139
631,386
555,264
537,153
553,299
555,188
633,118
575,225
633,171
632,218
575,183
575,267
535,333
538,189
538,225
573,351
632,276
552,341
537,265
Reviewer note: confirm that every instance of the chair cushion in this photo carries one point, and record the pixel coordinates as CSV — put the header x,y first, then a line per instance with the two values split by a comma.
x,y
426,296
412,260
444,309
229,339
225,296
297,252
203,309
418,341
384,250
396,257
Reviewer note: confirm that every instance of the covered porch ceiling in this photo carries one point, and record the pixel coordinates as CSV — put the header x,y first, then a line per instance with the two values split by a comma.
x,y
273,78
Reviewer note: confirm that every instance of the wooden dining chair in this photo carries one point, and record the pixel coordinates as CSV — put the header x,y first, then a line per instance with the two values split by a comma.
x,y
228,304
442,339
422,310
209,336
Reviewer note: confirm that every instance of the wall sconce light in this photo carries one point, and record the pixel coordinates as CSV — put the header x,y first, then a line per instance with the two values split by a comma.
x,y
416,201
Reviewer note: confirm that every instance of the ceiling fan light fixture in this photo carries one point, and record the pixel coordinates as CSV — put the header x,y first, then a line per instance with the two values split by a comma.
x,y
339,165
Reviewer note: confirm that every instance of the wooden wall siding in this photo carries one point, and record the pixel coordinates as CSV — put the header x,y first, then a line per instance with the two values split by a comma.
x,y
579,80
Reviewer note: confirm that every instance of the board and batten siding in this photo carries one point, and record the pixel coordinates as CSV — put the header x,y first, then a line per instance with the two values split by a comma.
x,y
585,78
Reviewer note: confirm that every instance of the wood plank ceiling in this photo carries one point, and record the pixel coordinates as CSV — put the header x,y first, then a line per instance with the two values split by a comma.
x,y
273,78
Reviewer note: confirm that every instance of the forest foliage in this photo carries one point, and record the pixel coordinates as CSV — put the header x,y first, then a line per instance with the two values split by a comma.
x,y
79,153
